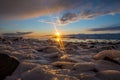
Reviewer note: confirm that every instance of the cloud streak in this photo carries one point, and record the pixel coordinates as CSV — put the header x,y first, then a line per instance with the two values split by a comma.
x,y
111,28
17,33
71,10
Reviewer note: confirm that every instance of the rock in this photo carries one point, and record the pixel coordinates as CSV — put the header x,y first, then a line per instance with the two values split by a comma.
x,y
49,49
111,60
85,46
37,74
63,71
21,69
7,66
87,77
107,53
88,66
24,67
106,65
63,65
65,77
53,56
71,45
108,75
39,61
71,51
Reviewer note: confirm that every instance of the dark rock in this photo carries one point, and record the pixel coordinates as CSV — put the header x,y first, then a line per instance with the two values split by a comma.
x,y
112,54
108,75
48,49
7,66
94,70
111,60
92,46
63,65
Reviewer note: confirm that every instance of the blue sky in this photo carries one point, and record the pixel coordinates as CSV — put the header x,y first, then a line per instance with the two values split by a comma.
x,y
33,25
75,17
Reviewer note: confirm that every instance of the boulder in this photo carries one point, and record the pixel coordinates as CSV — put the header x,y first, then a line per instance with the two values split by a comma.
x,y
108,75
48,49
101,65
107,53
65,77
63,65
87,77
7,66
37,73
80,67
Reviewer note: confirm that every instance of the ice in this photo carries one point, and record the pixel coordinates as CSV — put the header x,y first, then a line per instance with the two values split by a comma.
x,y
107,53
108,75
45,60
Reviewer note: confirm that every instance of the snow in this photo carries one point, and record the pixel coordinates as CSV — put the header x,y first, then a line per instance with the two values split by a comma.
x,y
45,60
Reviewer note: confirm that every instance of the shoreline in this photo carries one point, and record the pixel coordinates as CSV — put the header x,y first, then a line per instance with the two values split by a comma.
x,y
44,60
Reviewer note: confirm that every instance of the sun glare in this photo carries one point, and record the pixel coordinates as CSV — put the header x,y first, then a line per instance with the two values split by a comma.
x,y
57,39
58,34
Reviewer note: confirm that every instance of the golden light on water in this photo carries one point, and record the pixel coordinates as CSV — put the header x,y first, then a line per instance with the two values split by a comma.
x,y
59,40
58,36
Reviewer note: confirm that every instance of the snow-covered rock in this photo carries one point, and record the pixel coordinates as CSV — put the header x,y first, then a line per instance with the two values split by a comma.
x,y
108,75
106,65
49,49
63,65
107,53
87,66
37,74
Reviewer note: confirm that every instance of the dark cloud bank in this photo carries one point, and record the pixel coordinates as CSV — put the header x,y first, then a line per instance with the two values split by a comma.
x,y
111,28
17,33
73,9
107,36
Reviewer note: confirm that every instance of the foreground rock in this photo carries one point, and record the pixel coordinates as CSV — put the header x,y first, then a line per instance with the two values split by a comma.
x,y
63,65
37,74
49,49
101,65
7,66
108,75
107,53
88,66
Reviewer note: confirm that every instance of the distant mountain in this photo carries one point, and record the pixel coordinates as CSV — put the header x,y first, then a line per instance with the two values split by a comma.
x,y
95,36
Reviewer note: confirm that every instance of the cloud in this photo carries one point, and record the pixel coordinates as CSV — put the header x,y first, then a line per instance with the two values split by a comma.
x,y
21,9
17,33
91,9
71,10
111,28
67,17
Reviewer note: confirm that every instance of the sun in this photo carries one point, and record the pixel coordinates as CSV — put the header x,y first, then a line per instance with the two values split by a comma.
x,y
58,34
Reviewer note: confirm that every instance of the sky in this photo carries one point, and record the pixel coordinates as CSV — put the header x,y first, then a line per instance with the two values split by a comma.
x,y
38,17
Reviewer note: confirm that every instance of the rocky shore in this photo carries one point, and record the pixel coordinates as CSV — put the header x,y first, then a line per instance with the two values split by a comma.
x,y
45,60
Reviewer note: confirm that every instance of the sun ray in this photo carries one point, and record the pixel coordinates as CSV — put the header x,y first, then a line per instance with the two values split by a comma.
x,y
58,35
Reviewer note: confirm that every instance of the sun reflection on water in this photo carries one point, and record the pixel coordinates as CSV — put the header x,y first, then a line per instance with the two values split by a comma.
x,y
61,44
